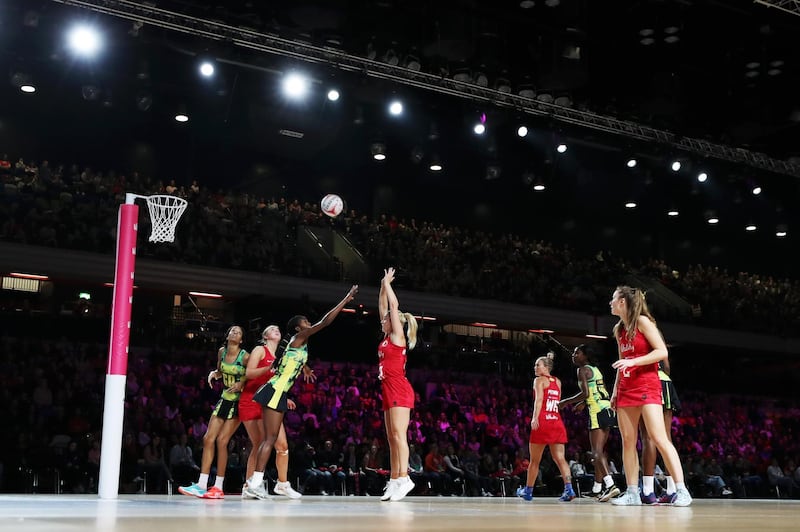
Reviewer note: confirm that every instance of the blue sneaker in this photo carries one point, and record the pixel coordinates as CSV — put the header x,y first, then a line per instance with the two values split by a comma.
x,y
568,494
650,498
525,492
193,490
667,498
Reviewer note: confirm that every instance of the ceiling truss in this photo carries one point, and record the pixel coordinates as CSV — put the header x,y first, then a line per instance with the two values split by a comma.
x,y
789,6
147,13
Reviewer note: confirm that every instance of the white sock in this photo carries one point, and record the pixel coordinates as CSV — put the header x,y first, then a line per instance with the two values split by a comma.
x,y
256,480
608,480
647,485
633,489
218,482
596,487
671,488
680,486
203,481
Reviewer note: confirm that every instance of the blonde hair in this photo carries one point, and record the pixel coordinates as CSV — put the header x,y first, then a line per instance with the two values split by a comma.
x,y
410,328
548,360
636,306
266,331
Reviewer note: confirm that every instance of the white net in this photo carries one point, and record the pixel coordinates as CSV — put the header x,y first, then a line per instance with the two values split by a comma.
x,y
165,211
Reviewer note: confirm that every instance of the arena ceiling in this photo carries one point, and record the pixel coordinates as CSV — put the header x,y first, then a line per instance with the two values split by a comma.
x,y
723,73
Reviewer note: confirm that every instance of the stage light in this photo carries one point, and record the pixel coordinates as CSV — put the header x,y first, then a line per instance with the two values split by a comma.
x,y
396,108
333,95
295,86
84,40
207,69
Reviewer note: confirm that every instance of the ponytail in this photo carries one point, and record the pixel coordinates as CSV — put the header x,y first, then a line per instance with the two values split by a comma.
x,y
410,329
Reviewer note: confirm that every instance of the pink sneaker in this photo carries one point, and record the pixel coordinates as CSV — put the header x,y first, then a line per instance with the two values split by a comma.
x,y
213,493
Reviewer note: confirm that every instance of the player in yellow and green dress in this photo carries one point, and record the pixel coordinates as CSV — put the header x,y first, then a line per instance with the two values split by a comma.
x,y
594,397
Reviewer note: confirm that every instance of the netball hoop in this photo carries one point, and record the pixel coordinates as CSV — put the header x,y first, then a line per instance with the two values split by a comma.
x,y
165,211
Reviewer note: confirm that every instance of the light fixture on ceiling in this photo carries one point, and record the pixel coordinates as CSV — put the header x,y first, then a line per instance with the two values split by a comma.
x,y
378,150
182,115
630,204
23,82
412,63
144,100
503,85
781,230
711,217
436,164
631,163
480,79
702,177
522,131
493,171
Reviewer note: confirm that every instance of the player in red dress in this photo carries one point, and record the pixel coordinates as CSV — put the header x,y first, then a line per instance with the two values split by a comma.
x,y
547,429
637,391
259,371
400,330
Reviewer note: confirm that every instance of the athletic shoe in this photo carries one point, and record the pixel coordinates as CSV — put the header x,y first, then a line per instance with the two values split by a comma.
x,y
592,495
389,489
608,493
246,492
402,488
213,493
525,492
568,494
667,498
285,489
258,492
726,491
650,498
682,497
629,498
193,490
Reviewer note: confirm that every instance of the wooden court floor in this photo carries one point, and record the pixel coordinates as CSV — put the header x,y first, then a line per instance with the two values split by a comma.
x,y
176,513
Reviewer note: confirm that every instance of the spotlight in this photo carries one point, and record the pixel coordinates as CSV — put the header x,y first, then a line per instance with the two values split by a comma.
x,y
673,212
561,148
756,190
493,171
23,82
333,95
182,115
522,131
436,164
412,63
295,86
144,100
702,177
750,227
781,231
391,58
207,69
481,80
479,129
631,163
630,205
84,41
503,85
90,92
378,151
396,108
712,218
676,165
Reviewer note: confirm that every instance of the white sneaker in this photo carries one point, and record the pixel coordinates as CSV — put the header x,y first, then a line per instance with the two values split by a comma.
x,y
285,489
403,488
629,498
682,498
390,488
246,493
255,492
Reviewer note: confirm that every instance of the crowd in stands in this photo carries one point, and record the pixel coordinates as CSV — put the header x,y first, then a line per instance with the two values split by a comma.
x,y
73,208
469,431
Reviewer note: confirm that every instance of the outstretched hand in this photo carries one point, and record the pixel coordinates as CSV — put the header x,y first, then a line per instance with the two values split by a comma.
x,y
352,293
388,275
